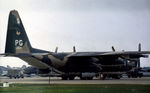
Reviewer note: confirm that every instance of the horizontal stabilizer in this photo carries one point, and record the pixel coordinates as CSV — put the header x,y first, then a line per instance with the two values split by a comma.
x,y
23,54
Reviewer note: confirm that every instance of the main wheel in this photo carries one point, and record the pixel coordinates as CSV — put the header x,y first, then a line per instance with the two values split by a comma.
x,y
71,77
82,78
64,78
89,78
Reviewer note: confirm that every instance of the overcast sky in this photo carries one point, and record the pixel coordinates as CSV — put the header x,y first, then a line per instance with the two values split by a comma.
x,y
90,25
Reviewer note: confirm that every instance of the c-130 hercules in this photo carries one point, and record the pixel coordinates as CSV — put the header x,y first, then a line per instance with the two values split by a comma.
x,y
69,64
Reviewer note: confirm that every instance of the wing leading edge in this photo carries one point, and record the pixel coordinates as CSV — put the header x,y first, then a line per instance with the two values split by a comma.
x,y
101,54
87,54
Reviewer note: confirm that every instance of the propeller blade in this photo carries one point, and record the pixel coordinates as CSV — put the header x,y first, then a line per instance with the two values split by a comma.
x,y
56,49
113,49
139,47
74,49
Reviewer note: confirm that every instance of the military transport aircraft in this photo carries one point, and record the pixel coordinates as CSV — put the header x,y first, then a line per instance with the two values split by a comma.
x,y
69,64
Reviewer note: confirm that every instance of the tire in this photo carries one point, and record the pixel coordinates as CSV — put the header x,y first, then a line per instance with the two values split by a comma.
x,y
89,78
64,78
82,78
129,76
71,78
10,77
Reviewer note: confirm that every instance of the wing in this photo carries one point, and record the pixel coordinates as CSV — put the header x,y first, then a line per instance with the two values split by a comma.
x,y
124,54
130,54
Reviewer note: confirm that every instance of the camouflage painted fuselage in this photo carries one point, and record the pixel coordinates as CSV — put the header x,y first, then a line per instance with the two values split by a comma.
x,y
62,63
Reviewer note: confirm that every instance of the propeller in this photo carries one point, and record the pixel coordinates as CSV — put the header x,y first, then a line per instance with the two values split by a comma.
x,y
113,49
139,47
74,49
137,61
56,49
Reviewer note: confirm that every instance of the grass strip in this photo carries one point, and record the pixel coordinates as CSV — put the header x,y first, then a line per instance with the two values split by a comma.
x,y
75,88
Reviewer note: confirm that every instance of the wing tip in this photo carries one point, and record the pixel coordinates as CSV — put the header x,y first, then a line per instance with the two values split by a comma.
x,y
15,12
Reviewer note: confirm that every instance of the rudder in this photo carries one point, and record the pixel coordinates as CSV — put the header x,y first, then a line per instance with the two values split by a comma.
x,y
16,40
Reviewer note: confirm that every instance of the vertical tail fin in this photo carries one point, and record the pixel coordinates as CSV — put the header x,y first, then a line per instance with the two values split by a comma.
x,y
17,40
